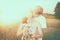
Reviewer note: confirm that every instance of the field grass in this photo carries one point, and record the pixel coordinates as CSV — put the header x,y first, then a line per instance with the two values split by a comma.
x,y
8,32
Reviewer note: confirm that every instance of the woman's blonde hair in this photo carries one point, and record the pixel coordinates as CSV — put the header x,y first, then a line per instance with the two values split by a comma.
x,y
24,20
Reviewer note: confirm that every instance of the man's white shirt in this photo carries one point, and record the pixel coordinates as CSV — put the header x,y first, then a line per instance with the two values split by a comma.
x,y
41,20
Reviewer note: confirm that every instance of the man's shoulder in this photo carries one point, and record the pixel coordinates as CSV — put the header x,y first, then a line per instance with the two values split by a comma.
x,y
41,17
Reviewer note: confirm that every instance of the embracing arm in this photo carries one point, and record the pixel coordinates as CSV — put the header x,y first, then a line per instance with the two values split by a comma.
x,y
38,34
19,31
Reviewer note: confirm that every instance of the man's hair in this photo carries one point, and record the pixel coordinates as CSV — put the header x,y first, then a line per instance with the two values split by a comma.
x,y
35,7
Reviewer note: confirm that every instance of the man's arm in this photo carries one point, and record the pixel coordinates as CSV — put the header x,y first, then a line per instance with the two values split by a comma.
x,y
38,33
43,24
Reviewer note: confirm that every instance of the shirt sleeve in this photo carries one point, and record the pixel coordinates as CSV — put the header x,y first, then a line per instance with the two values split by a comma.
x,y
42,21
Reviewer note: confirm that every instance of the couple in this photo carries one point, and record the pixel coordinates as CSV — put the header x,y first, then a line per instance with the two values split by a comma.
x,y
31,27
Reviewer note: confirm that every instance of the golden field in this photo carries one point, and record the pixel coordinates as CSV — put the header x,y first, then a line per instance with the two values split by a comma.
x,y
8,32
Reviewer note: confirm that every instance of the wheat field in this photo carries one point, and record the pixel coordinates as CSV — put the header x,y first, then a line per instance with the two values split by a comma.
x,y
8,32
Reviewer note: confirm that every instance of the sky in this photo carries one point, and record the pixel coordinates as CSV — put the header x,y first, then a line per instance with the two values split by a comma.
x,y
14,10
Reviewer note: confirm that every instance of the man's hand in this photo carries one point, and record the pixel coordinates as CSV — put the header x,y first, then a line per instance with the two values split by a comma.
x,y
36,35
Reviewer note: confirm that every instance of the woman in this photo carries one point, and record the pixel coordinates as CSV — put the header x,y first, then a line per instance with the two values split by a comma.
x,y
22,31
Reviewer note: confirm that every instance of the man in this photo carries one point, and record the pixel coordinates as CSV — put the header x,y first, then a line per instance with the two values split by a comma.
x,y
38,18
